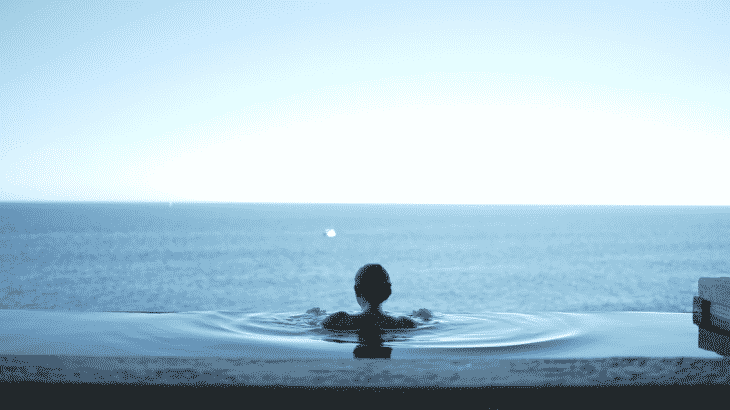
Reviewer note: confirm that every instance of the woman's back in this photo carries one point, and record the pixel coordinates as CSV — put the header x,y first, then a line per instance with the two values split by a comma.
x,y
366,321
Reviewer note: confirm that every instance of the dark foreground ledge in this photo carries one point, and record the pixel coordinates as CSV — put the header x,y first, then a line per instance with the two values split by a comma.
x,y
204,382
93,395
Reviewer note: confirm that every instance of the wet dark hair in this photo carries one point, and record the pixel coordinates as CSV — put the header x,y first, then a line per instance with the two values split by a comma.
x,y
372,283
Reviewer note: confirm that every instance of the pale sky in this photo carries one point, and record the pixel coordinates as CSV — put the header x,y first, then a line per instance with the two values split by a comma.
x,y
540,102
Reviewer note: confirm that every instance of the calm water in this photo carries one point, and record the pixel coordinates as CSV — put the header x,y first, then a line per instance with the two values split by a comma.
x,y
292,336
255,258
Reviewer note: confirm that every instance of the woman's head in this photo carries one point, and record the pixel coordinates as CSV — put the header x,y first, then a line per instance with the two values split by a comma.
x,y
372,284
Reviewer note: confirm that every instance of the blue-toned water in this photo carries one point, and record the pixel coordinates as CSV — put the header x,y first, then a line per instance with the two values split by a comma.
x,y
277,258
253,282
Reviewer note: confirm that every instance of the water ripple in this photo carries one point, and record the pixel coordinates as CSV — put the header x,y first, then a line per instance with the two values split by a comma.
x,y
485,330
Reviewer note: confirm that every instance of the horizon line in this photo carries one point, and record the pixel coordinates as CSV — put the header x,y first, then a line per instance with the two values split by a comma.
x,y
354,203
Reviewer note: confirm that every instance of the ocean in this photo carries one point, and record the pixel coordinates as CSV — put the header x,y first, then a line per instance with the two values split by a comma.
x,y
253,258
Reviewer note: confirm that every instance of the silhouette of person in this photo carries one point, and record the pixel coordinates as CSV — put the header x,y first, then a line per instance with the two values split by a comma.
x,y
372,288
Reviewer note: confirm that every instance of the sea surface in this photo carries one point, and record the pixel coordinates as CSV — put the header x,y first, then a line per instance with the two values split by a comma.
x,y
256,258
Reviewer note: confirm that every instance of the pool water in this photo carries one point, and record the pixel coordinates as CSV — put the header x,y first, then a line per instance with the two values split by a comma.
x,y
440,331
285,348
292,335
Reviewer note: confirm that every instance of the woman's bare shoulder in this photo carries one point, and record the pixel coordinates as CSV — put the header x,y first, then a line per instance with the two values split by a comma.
x,y
338,321
405,322
400,322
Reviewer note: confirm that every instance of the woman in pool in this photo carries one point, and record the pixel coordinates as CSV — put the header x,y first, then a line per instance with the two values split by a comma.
x,y
372,288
